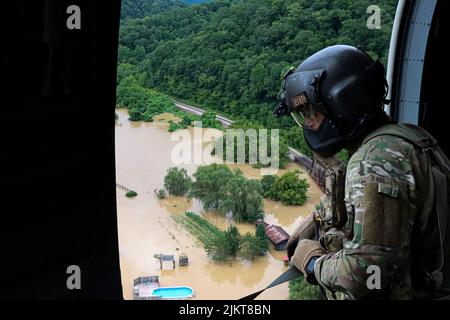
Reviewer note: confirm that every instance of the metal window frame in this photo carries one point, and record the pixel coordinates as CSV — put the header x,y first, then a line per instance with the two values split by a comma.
x,y
407,52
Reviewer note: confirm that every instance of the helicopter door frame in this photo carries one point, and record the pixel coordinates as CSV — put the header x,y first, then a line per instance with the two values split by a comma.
x,y
408,48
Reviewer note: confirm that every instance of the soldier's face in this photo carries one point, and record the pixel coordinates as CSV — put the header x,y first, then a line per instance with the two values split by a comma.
x,y
313,122
310,118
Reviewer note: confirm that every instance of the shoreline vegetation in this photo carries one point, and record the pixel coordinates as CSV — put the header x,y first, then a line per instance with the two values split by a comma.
x,y
144,104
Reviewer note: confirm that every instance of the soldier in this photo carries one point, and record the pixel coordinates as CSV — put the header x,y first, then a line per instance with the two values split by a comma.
x,y
389,207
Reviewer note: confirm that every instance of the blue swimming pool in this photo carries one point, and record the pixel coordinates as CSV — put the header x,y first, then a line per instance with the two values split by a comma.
x,y
174,292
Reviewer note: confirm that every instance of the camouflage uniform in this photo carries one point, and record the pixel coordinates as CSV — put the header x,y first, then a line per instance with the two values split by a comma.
x,y
383,199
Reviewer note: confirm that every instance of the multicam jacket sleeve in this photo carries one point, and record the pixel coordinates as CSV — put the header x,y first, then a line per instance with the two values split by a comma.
x,y
379,193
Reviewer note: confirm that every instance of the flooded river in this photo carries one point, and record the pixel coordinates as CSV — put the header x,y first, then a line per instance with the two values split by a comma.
x,y
143,155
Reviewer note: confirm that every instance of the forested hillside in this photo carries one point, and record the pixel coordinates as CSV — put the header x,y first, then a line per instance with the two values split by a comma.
x,y
141,8
230,55
196,1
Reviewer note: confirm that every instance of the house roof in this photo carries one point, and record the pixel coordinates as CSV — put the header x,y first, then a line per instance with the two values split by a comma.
x,y
276,234
164,257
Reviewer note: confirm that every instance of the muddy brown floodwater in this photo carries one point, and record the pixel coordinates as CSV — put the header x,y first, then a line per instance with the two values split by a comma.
x,y
145,226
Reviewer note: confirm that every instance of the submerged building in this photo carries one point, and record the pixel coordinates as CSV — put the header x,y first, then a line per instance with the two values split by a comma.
x,y
277,235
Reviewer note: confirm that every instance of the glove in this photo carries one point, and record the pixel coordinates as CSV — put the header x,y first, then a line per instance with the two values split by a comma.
x,y
306,230
306,249
332,240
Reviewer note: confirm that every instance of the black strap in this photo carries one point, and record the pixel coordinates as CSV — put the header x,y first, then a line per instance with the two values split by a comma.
x,y
440,185
288,275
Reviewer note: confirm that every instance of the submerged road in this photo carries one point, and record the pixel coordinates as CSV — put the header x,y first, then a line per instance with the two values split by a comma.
x,y
293,154
197,111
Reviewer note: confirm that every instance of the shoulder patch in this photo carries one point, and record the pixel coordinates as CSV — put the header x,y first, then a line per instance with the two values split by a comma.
x,y
388,190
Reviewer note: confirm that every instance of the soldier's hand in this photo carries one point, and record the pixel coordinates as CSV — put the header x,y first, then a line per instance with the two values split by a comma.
x,y
306,250
333,240
306,230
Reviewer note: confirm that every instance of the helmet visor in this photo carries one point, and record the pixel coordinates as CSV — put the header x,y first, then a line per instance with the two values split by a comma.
x,y
304,113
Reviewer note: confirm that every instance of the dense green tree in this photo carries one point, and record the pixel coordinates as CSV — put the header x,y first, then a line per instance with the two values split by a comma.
x,y
242,197
131,194
142,103
208,185
196,1
126,70
266,183
233,238
187,119
209,120
173,126
263,241
243,138
249,247
160,194
290,189
217,248
295,138
220,189
142,8
177,182
299,289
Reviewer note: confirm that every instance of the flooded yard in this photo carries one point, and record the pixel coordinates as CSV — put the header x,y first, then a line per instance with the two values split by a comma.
x,y
143,155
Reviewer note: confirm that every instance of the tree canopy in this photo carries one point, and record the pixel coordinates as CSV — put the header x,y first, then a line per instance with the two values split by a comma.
x,y
242,197
208,185
266,183
226,191
289,189
177,182
141,8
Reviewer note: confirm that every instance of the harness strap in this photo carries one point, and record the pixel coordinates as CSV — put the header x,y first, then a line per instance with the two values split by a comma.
x,y
440,185
288,275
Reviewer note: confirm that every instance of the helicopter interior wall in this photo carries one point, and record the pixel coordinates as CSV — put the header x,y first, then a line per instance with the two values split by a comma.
x,y
58,190
433,108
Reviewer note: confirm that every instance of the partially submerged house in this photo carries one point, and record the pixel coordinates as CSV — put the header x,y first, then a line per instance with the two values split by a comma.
x,y
277,235
167,262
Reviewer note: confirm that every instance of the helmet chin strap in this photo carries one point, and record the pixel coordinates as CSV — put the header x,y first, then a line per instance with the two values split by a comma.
x,y
295,119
